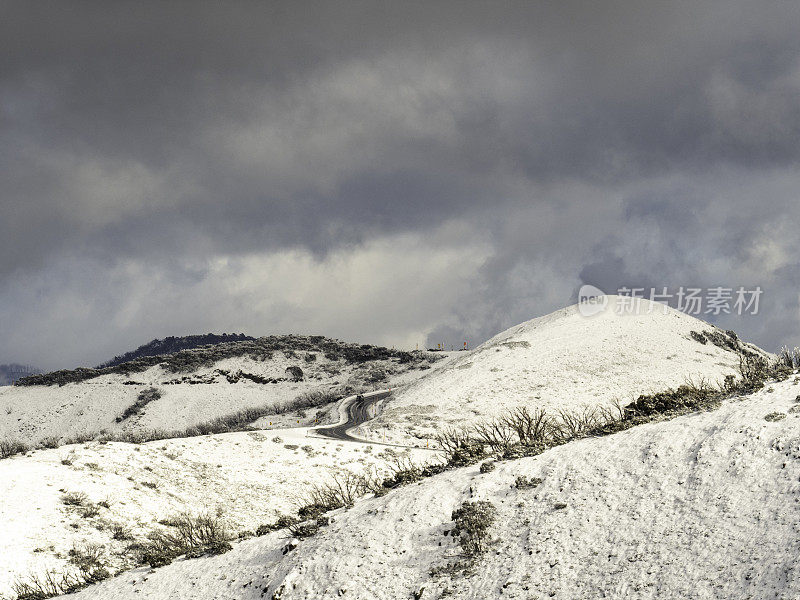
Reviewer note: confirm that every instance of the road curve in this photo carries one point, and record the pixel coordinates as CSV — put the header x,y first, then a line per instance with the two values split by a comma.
x,y
357,413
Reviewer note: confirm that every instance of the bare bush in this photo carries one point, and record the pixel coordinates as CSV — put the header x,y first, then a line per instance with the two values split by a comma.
x,y
9,448
451,439
75,499
495,434
460,447
530,427
89,511
48,585
190,535
340,491
78,438
789,357
573,425
282,522
90,562
88,567
610,414
120,531
402,470
754,371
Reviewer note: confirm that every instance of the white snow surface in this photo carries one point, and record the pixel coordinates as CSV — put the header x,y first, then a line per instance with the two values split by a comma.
x,y
249,478
702,506
561,361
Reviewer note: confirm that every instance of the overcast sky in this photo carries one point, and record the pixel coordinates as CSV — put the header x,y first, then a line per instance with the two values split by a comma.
x,y
395,173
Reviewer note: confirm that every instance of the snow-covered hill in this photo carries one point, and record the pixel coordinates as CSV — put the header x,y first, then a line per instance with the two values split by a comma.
x,y
563,361
703,506
32,413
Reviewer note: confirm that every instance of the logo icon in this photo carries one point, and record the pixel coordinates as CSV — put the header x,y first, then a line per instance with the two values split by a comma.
x,y
591,301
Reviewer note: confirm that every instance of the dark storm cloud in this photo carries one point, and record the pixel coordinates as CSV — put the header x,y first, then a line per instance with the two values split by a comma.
x,y
579,141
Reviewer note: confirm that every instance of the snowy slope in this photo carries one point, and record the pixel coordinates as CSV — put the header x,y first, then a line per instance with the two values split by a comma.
x,y
33,413
249,478
560,361
702,506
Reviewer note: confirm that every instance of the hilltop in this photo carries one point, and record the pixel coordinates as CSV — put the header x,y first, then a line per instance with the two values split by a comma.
x,y
565,361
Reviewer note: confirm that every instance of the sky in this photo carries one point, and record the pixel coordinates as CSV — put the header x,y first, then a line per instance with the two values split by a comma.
x,y
397,173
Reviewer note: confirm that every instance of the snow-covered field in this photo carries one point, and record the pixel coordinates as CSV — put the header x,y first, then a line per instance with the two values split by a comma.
x,y
703,506
561,361
32,413
249,478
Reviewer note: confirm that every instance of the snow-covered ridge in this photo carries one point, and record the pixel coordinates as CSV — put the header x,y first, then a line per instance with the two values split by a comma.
x,y
563,361
212,388
195,358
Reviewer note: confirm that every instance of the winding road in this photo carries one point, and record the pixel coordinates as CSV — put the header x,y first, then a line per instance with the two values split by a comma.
x,y
357,413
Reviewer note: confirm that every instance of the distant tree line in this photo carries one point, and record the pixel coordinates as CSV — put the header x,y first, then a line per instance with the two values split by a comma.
x,y
172,344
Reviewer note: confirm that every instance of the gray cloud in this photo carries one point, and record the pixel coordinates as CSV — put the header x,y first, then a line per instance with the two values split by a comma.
x,y
616,142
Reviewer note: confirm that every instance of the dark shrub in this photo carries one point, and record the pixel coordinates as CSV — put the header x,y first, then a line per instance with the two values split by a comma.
x,y
294,373
698,337
460,448
282,522
49,442
89,561
473,521
306,528
144,398
686,397
75,499
403,471
120,532
487,466
522,482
